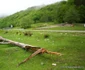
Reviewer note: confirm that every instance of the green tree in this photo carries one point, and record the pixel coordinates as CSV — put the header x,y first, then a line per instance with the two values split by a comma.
x,y
26,22
71,15
79,2
82,13
61,10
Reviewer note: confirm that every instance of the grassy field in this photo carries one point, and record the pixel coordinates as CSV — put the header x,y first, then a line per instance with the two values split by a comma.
x,y
67,28
60,27
52,26
71,45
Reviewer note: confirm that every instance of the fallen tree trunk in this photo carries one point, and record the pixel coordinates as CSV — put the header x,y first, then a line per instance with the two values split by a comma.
x,y
35,49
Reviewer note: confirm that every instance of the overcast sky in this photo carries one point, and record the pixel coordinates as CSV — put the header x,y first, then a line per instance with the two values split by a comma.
x,y
12,6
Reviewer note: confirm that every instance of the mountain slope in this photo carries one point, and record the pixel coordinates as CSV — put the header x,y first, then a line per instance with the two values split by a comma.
x,y
59,12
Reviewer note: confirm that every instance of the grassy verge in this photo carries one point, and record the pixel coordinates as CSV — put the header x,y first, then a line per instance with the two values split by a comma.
x,y
58,27
71,45
67,28
52,26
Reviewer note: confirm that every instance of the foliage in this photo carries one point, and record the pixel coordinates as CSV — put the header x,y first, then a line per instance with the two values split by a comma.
x,y
82,13
61,12
79,2
57,13
70,2
26,22
71,15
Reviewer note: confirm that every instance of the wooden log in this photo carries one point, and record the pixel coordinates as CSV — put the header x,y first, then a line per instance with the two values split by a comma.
x,y
35,53
22,45
35,49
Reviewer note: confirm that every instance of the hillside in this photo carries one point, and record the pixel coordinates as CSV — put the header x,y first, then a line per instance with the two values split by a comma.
x,y
30,15
64,11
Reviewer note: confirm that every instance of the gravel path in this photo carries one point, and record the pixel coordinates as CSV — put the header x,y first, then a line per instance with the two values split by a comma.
x,y
60,30
79,31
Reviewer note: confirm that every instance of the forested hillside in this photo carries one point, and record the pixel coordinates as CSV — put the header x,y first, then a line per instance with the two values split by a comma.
x,y
71,11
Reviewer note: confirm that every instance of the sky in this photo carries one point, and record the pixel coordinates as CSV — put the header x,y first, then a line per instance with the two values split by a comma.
x,y
8,7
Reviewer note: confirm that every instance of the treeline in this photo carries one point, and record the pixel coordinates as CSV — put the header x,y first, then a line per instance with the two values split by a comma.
x,y
71,11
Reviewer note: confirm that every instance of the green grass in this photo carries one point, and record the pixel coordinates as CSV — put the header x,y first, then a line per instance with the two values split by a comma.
x,y
71,45
41,24
67,28
75,27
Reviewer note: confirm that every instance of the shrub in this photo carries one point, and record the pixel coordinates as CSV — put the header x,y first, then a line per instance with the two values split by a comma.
x,y
46,36
28,34
71,15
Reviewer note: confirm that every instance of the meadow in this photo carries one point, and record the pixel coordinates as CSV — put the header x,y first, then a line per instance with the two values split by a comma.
x,y
62,26
70,45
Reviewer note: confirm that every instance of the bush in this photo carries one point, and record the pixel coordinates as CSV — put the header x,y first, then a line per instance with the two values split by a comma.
x,y
71,15
28,34
46,36
26,23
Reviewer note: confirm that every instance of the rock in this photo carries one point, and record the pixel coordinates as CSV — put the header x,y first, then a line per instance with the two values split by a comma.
x,y
42,63
54,64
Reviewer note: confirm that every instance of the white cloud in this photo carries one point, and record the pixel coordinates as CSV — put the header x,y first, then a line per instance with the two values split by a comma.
x,y
12,6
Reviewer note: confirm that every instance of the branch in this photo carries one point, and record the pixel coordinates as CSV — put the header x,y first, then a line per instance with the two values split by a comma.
x,y
32,55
